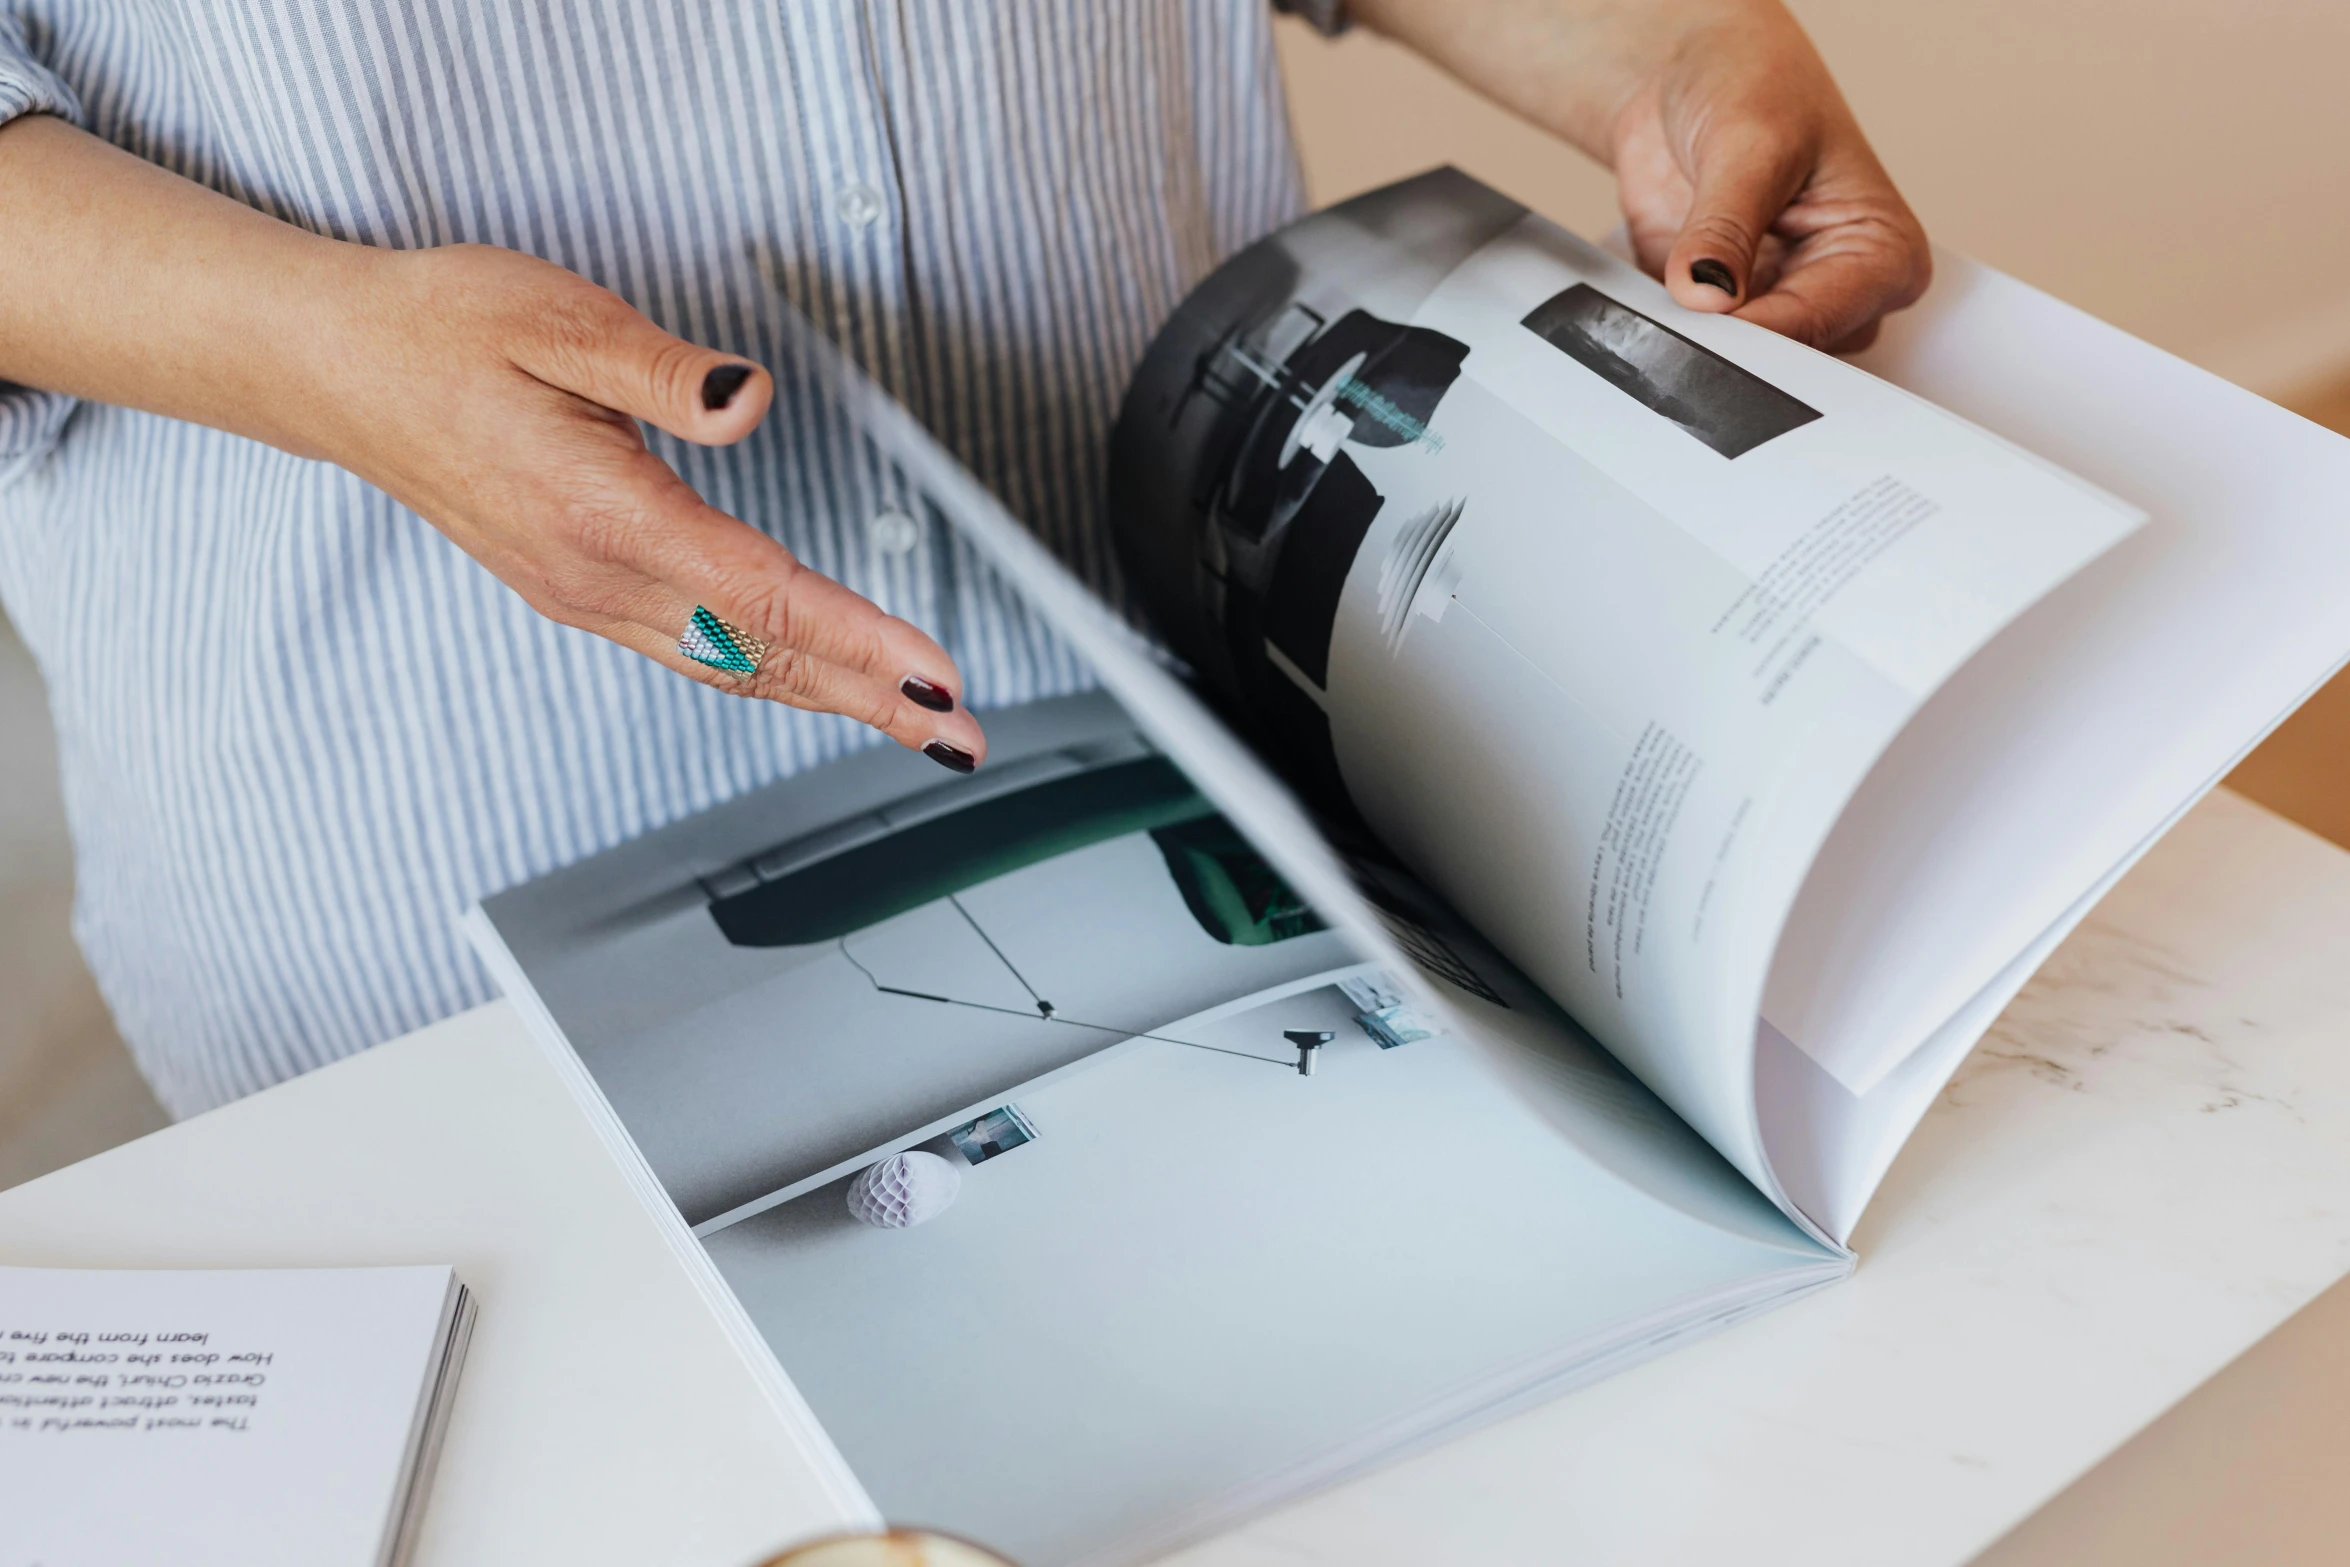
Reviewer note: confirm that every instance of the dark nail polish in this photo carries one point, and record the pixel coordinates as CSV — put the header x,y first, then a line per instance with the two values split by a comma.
x,y
949,757
922,693
1714,275
720,385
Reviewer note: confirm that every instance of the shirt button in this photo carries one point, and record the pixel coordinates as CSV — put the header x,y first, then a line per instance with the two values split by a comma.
x,y
893,533
860,205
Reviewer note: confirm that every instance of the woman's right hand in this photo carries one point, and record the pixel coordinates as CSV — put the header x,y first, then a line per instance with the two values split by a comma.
x,y
501,404
495,394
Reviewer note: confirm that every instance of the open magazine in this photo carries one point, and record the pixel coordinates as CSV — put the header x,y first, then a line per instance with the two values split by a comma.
x,y
1599,769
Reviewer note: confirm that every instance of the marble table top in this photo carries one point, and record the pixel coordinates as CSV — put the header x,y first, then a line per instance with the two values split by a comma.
x,y
2144,1169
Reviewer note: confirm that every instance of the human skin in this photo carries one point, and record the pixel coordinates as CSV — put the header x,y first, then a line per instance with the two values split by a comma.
x,y
498,395
1730,142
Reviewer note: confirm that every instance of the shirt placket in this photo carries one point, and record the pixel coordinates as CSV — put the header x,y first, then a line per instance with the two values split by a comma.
x,y
888,541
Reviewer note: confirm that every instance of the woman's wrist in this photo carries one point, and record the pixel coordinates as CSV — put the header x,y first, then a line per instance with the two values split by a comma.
x,y
1569,66
281,336
331,357
128,284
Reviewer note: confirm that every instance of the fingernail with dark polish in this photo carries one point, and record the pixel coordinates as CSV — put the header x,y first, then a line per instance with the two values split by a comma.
x,y
1714,275
949,757
922,693
720,385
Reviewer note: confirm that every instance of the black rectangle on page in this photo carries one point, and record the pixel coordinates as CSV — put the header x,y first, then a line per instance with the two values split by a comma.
x,y
1731,409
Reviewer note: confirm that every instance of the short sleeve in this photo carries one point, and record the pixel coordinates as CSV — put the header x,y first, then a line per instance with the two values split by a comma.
x,y
29,419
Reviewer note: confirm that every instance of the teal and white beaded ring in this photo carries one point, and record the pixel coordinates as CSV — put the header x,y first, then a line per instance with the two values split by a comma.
x,y
709,640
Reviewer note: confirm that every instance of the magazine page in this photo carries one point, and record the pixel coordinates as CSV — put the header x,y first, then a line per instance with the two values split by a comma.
x,y
1088,1187
1596,610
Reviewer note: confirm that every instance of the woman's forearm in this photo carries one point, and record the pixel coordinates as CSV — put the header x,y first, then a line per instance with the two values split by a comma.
x,y
1569,66
122,282
495,394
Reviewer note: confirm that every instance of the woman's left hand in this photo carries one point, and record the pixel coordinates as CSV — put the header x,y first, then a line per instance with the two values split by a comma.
x,y
1746,183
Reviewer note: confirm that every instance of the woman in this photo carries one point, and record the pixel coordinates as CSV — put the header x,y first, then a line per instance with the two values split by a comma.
x,y
326,328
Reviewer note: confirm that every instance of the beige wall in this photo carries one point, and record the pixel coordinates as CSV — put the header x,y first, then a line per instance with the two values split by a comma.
x,y
2180,167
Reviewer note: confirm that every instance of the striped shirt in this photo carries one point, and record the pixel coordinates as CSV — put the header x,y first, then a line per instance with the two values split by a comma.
x,y
300,730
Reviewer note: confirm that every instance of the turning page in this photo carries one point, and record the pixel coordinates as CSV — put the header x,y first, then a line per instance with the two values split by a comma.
x,y
1596,610
2039,773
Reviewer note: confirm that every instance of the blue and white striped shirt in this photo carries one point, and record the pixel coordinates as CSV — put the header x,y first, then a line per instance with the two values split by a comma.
x,y
300,730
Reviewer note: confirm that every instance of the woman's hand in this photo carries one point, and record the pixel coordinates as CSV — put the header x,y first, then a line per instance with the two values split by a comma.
x,y
495,394
501,403
1745,181
1748,186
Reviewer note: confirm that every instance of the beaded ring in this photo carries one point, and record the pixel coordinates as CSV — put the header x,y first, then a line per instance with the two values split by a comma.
x,y
709,640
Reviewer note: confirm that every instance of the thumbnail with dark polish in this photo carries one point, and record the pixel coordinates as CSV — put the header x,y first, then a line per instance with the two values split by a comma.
x,y
1714,275
720,385
922,693
952,758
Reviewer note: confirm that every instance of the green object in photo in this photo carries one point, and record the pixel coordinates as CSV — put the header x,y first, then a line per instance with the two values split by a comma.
x,y
1232,891
860,887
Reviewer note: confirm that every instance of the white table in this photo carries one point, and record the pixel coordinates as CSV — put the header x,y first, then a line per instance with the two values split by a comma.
x,y
603,1417
2144,1170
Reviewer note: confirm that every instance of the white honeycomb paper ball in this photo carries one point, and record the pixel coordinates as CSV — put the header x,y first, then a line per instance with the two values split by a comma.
x,y
904,1189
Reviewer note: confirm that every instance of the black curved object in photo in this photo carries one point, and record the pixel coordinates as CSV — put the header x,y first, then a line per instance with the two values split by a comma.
x,y
1235,508
874,881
